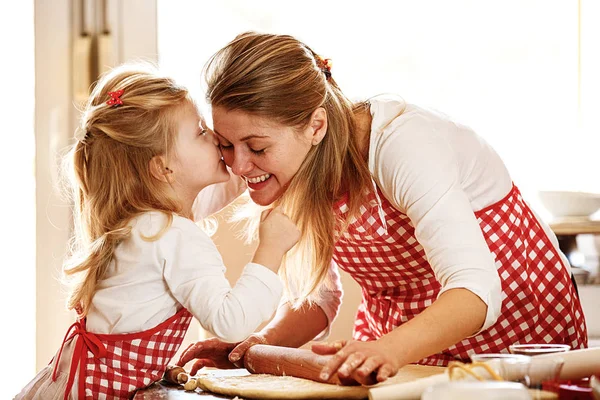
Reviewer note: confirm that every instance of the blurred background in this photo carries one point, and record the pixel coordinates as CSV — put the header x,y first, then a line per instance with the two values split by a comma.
x,y
525,74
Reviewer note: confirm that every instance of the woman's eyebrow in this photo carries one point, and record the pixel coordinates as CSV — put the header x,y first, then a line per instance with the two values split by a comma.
x,y
245,138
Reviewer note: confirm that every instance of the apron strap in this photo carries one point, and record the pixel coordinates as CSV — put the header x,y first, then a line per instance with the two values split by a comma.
x,y
87,341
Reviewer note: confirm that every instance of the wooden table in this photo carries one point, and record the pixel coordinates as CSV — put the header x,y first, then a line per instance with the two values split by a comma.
x,y
573,227
567,230
166,391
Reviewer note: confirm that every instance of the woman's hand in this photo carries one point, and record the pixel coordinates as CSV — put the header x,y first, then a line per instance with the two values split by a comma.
x,y
216,353
365,362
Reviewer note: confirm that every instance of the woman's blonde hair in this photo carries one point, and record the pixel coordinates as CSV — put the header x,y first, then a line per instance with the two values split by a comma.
x,y
110,166
280,78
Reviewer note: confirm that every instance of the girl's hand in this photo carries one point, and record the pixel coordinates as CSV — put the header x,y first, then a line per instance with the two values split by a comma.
x,y
216,353
365,362
276,235
277,231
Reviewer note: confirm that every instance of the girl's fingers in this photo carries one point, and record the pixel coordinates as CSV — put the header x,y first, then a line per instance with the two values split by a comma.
x,y
198,365
190,353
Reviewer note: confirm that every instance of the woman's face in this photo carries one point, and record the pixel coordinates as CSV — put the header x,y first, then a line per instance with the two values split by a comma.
x,y
266,154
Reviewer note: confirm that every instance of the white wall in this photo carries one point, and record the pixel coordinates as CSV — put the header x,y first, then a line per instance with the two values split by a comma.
x,y
17,202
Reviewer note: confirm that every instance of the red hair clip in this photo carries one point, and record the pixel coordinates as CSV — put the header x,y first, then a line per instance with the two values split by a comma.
x,y
325,65
115,98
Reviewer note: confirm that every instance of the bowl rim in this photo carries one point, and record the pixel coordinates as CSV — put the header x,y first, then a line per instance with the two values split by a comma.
x,y
570,192
501,356
539,348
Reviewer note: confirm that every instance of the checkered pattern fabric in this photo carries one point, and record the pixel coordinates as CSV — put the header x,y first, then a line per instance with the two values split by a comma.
x,y
126,362
539,303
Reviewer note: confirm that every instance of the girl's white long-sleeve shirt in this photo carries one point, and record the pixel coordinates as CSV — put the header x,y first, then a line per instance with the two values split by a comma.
x,y
149,281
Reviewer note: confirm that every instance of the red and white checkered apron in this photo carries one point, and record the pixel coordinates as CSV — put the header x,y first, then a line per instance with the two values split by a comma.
x,y
539,303
115,366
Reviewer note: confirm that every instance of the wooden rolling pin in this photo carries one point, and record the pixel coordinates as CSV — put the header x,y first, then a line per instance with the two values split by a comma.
x,y
578,363
287,361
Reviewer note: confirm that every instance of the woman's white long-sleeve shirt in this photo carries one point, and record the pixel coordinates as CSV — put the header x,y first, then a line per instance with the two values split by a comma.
x,y
149,281
439,172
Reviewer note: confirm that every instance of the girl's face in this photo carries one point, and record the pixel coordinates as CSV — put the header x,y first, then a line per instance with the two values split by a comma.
x,y
266,154
197,160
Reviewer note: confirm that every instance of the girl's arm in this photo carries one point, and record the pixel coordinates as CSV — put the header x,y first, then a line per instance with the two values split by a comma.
x,y
290,327
216,197
195,275
294,327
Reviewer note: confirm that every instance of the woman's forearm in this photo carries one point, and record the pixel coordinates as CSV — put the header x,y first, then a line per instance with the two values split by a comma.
x,y
293,328
455,315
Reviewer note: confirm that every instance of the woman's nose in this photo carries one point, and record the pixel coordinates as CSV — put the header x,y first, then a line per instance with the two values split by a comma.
x,y
241,164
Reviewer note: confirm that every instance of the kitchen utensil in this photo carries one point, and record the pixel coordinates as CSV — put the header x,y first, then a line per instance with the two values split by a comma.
x,y
486,390
565,204
545,370
301,363
510,367
537,349
578,364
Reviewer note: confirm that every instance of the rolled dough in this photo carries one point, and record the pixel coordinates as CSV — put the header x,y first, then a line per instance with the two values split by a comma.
x,y
260,386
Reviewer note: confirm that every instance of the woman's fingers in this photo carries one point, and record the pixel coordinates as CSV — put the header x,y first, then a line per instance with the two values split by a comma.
x,y
364,362
385,372
353,362
333,365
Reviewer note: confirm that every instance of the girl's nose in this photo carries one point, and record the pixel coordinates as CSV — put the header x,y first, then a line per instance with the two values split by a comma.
x,y
214,139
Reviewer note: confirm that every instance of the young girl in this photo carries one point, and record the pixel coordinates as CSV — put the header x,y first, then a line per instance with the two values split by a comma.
x,y
142,269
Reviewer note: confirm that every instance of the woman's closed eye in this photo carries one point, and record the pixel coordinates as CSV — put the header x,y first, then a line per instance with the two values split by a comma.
x,y
225,147
261,151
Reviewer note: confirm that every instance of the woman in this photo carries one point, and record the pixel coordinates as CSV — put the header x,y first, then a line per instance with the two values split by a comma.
x,y
415,206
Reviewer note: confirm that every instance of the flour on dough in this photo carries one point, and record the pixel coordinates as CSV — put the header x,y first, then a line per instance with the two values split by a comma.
x,y
260,386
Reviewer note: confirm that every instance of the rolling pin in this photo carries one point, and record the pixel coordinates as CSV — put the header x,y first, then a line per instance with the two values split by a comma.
x,y
287,361
578,364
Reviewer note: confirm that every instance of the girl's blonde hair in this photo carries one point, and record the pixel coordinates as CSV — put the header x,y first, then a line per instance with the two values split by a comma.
x,y
280,78
110,165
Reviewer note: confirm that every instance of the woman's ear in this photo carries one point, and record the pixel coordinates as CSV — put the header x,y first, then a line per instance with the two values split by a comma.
x,y
159,170
318,125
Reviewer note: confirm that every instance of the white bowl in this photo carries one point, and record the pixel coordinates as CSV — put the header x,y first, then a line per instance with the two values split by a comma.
x,y
487,390
563,204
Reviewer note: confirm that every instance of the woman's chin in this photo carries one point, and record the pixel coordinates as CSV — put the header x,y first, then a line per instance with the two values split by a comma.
x,y
263,198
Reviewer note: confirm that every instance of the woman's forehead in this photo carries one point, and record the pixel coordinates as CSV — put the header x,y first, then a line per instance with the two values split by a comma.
x,y
240,125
